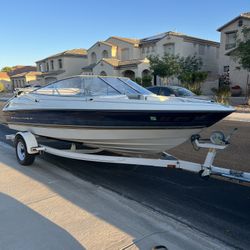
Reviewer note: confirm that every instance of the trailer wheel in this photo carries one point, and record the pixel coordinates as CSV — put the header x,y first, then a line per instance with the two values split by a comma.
x,y
23,157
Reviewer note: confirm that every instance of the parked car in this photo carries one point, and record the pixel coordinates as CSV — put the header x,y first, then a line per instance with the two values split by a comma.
x,y
175,91
171,91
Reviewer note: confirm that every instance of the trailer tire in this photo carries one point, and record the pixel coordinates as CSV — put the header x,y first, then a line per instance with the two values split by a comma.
x,y
23,157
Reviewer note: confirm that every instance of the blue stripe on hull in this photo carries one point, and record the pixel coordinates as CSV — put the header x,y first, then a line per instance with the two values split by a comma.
x,y
123,119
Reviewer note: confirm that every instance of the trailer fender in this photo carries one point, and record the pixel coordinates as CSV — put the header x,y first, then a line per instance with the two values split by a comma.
x,y
30,141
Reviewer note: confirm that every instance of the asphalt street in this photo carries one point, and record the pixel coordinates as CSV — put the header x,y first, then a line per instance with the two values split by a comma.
x,y
218,208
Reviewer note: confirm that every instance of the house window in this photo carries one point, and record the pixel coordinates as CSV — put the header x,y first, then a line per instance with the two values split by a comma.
x,y
201,49
52,64
47,67
230,40
60,63
105,54
169,48
125,54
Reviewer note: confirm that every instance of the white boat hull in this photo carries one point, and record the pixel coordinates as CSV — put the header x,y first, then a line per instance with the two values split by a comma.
x,y
126,141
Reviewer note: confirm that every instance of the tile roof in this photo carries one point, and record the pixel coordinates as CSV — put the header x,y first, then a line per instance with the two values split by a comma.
x,y
245,15
118,63
114,62
72,52
90,66
4,75
128,40
173,33
31,73
129,62
52,73
103,42
18,69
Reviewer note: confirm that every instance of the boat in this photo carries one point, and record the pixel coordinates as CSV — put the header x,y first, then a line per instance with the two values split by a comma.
x,y
111,113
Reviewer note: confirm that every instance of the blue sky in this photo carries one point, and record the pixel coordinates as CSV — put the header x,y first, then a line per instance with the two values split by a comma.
x,y
32,30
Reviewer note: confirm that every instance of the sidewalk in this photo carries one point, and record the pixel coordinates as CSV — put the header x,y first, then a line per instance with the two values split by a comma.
x,y
44,207
238,116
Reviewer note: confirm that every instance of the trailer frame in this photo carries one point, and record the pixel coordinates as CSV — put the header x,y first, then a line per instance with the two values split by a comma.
x,y
30,148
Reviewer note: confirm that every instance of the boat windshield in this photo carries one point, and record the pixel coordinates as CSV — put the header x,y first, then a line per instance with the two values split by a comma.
x,y
93,86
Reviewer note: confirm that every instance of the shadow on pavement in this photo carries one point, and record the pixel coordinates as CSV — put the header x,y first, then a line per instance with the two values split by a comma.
x,y
22,228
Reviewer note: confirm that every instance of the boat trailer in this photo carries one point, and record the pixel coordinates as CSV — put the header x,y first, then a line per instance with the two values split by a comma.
x,y
27,148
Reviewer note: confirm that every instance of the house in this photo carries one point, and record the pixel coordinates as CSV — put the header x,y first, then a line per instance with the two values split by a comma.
x,y
116,56
61,65
183,45
230,33
5,82
128,57
18,69
25,78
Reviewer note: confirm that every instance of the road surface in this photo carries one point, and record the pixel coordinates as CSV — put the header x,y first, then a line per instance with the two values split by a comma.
x,y
218,208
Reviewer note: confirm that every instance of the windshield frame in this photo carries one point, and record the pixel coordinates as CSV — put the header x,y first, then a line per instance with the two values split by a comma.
x,y
102,78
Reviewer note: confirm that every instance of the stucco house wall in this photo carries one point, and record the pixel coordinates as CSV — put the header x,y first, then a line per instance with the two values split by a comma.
x,y
185,48
72,66
238,76
98,49
6,85
133,50
103,66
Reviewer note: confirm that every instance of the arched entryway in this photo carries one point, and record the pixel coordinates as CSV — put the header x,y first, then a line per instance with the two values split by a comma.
x,y
145,72
129,73
103,73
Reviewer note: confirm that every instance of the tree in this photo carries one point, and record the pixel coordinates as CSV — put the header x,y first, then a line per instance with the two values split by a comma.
x,y
190,74
186,69
6,69
242,54
165,67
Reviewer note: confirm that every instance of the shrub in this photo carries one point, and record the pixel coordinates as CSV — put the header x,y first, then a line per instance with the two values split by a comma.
x,y
138,80
147,80
222,94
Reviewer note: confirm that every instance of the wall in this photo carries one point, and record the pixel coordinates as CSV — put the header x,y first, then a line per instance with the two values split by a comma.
x,y
6,85
134,52
72,66
98,48
237,76
104,66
